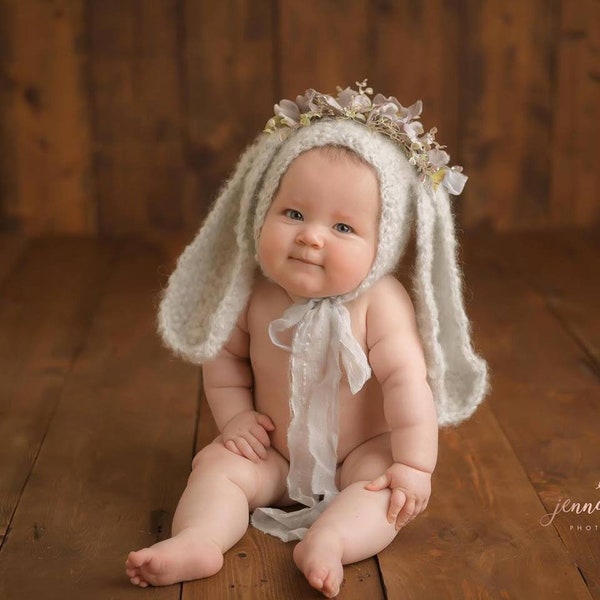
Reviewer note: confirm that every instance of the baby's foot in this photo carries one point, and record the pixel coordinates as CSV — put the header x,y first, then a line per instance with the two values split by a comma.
x,y
180,558
319,557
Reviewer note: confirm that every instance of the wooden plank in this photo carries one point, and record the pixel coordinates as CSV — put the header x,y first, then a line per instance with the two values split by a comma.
x,y
84,506
115,458
138,114
545,396
322,44
228,67
12,247
47,154
260,566
563,267
45,310
415,53
479,537
8,175
507,112
575,178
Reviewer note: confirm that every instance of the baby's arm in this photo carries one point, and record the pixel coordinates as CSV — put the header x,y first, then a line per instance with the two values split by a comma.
x,y
228,384
396,357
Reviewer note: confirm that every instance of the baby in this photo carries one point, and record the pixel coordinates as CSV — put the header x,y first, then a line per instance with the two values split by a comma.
x,y
288,380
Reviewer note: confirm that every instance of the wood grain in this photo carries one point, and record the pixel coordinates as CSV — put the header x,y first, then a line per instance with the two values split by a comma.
x,y
138,115
507,112
115,457
46,113
126,117
99,425
322,44
415,54
574,176
479,537
12,247
563,268
229,70
545,382
45,309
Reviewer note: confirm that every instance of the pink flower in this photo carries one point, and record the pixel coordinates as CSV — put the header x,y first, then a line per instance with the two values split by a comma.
x,y
438,158
288,112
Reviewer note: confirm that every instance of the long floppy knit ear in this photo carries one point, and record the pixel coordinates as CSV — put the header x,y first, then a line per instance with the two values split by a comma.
x,y
458,377
213,277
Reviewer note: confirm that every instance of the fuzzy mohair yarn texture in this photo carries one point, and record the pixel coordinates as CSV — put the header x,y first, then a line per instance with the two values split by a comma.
x,y
214,275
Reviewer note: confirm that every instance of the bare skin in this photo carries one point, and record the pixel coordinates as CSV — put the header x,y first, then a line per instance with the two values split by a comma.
x,y
387,445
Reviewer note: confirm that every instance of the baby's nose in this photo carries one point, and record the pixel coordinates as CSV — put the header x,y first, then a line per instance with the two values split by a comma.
x,y
310,236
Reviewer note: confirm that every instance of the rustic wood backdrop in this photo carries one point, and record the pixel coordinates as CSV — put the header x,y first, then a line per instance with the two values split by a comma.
x,y
124,116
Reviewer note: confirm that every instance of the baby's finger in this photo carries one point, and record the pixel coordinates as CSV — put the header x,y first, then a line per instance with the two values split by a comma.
x,y
257,446
380,483
258,431
247,450
419,507
406,514
230,445
265,422
397,502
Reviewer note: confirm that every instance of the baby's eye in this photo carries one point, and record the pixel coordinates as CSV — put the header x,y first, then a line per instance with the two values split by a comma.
x,y
343,228
295,215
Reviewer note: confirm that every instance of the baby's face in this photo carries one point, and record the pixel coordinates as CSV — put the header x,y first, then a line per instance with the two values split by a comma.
x,y
320,233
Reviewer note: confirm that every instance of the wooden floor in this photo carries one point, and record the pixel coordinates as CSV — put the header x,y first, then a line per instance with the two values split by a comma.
x,y
98,425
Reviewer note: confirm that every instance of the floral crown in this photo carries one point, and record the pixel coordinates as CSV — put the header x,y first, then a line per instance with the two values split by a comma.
x,y
385,115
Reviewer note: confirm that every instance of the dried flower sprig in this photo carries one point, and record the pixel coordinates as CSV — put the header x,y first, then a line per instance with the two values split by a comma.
x,y
385,115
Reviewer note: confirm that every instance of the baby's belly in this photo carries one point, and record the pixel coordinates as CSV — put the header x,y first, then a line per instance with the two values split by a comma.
x,y
360,417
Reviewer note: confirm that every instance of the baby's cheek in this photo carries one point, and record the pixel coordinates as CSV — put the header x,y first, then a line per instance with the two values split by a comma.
x,y
270,253
264,248
355,265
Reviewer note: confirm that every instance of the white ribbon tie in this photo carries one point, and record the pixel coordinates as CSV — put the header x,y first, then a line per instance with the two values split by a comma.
x,y
322,339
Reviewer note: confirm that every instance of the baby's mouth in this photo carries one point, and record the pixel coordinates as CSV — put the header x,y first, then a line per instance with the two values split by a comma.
x,y
306,261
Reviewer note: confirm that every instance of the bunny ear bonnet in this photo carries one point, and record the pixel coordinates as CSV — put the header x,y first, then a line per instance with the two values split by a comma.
x,y
214,276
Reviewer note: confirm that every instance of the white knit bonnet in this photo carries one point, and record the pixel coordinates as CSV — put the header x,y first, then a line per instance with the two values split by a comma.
x,y
214,275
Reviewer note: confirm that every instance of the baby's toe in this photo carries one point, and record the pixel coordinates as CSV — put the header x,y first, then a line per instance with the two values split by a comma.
x,y
316,578
331,586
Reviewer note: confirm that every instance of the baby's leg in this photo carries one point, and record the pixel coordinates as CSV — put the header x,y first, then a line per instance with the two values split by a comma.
x,y
354,526
212,515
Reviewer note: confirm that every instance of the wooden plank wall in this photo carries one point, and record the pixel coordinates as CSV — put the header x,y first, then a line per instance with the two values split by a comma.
x,y
123,116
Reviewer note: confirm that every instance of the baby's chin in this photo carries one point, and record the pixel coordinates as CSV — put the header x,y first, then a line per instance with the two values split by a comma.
x,y
327,290
299,294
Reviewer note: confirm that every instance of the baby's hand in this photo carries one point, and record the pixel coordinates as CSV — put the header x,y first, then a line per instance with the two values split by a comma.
x,y
411,489
246,435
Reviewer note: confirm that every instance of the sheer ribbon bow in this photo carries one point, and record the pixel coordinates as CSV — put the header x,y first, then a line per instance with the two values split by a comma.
x,y
322,341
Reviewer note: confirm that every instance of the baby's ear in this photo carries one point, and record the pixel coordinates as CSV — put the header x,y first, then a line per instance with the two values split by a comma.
x,y
458,376
213,278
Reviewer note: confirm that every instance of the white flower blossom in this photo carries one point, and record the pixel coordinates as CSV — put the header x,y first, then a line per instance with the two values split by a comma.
x,y
438,158
383,114
288,112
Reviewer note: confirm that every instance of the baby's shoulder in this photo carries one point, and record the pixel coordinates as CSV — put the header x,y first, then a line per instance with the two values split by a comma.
x,y
390,310
388,294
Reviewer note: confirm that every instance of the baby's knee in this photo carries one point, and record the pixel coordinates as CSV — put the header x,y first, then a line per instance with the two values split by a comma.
x,y
368,461
216,461
215,457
